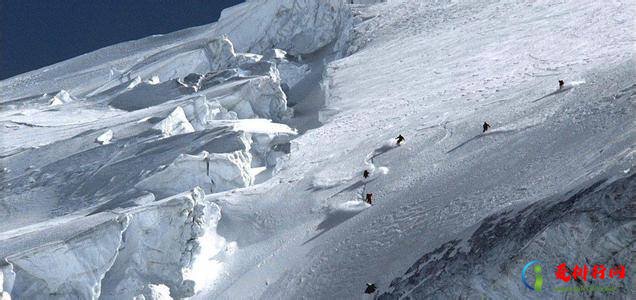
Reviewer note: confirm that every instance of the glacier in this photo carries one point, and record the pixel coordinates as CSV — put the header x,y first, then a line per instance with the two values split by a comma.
x,y
226,161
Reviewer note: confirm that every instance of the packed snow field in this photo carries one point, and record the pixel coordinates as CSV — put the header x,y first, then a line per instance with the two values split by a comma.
x,y
226,161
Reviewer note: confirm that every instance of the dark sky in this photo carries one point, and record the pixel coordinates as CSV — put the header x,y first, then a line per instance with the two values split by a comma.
x,y
37,33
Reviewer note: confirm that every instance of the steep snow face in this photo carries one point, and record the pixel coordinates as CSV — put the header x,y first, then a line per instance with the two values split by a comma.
x,y
434,72
89,174
286,216
200,56
296,26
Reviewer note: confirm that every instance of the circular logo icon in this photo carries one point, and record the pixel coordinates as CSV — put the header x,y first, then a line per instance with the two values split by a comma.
x,y
538,276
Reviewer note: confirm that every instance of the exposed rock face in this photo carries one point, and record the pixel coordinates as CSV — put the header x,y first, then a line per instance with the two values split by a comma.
x,y
551,230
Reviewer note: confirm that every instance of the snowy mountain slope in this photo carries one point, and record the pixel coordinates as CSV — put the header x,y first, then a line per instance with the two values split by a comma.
x,y
435,82
110,172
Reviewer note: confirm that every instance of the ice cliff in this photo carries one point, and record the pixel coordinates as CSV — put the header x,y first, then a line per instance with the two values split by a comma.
x,y
115,207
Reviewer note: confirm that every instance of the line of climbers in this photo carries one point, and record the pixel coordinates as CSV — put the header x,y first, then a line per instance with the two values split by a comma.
x,y
486,126
399,140
371,288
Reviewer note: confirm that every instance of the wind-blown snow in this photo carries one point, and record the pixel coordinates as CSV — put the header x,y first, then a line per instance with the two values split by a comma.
x,y
226,161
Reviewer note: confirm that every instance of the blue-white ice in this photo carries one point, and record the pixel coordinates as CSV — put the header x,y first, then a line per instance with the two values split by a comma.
x,y
226,161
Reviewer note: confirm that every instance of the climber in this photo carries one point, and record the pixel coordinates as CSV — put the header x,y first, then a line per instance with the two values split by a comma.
x,y
370,288
207,165
486,127
561,84
365,174
368,199
400,139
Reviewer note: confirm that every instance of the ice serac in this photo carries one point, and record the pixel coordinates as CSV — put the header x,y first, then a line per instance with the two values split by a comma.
x,y
200,56
105,137
7,278
154,292
291,72
258,97
202,112
130,253
71,268
171,63
215,172
62,97
159,246
220,53
175,123
270,141
296,26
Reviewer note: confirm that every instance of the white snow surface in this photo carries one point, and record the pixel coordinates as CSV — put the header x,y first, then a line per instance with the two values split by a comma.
x,y
296,26
175,123
105,137
225,161
61,98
